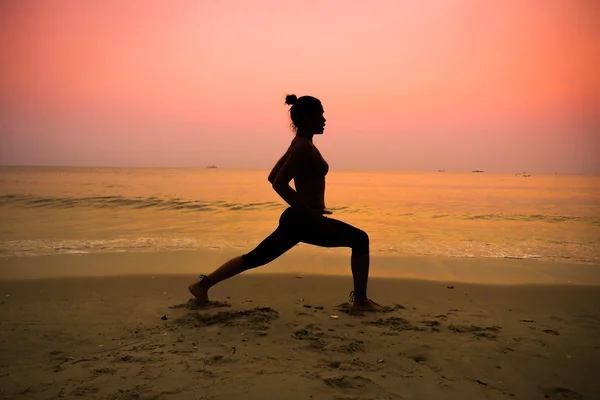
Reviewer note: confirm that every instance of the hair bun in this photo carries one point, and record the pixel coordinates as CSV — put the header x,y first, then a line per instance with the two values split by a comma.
x,y
290,99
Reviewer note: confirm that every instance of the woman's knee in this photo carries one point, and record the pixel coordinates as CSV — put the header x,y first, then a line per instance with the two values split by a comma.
x,y
361,242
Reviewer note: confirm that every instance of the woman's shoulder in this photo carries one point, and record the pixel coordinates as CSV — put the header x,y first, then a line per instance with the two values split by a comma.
x,y
300,144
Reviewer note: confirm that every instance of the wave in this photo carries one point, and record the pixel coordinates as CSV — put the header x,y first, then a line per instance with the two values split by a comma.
x,y
113,202
31,201
178,204
518,217
534,218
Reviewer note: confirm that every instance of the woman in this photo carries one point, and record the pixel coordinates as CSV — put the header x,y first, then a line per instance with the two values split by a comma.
x,y
304,221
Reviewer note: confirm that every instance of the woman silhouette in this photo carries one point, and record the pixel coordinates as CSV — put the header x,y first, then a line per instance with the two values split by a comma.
x,y
304,220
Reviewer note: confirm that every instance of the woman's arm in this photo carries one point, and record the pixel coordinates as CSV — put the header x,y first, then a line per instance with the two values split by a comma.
x,y
284,173
277,167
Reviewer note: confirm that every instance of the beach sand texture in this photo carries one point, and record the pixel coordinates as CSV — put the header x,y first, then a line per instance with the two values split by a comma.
x,y
283,336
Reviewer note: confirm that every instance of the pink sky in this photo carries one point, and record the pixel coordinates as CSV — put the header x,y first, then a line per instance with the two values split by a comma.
x,y
455,84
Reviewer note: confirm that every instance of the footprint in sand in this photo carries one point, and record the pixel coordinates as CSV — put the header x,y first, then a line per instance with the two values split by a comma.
x,y
314,327
355,364
256,318
418,354
354,346
214,360
103,371
347,309
394,324
193,304
134,393
488,332
320,340
348,382
433,324
559,393
84,391
353,387
551,332
315,339
132,359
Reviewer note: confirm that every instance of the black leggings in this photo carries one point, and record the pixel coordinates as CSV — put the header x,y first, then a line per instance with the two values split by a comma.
x,y
296,226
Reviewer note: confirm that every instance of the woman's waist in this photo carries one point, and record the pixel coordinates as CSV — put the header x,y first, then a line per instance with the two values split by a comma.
x,y
313,196
295,215
310,182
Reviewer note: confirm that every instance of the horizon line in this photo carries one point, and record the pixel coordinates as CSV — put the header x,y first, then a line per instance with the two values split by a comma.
x,y
439,170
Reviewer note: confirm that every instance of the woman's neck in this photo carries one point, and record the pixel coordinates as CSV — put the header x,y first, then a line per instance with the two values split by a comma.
x,y
305,135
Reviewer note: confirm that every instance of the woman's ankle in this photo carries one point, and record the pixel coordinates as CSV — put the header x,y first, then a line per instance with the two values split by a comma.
x,y
359,297
208,281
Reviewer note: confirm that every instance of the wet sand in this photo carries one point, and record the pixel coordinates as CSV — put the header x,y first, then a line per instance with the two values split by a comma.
x,y
285,336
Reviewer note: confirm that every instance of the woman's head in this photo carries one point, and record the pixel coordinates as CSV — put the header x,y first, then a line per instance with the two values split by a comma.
x,y
306,113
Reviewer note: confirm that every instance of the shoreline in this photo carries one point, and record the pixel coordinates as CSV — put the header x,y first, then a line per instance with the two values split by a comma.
x,y
304,263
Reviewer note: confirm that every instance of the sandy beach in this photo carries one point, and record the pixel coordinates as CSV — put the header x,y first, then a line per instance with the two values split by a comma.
x,y
290,336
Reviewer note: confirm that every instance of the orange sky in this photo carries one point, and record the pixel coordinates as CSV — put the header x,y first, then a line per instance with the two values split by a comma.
x,y
455,84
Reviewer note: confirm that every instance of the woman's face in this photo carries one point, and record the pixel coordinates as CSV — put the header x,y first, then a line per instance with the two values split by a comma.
x,y
317,121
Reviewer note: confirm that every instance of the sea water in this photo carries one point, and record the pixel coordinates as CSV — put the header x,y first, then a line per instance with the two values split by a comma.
x,y
48,210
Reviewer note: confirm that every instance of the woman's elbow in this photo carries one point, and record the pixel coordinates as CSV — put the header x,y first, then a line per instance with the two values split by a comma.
x,y
278,186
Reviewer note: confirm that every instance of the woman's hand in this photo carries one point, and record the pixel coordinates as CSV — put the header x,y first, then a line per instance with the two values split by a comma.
x,y
314,212
322,211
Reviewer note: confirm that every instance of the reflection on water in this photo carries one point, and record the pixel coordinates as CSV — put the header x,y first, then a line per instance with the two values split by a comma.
x,y
88,210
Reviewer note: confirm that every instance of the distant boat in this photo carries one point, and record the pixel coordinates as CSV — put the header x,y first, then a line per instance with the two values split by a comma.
x,y
441,170
212,166
478,170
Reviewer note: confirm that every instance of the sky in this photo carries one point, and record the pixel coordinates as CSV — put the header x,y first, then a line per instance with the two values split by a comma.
x,y
503,86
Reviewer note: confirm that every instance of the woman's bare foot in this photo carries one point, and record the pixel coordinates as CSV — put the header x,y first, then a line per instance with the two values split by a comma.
x,y
199,290
366,305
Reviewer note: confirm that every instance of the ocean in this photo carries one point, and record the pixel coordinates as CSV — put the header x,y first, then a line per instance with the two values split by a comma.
x,y
51,210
